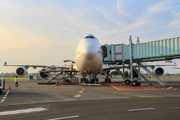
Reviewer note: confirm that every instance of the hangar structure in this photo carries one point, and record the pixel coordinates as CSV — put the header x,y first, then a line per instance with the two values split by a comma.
x,y
137,55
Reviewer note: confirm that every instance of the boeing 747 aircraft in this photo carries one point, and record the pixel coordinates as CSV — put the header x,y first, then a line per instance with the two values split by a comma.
x,y
88,60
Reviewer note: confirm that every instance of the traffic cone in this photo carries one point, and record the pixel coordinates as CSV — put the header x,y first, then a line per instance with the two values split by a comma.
x,y
9,87
56,84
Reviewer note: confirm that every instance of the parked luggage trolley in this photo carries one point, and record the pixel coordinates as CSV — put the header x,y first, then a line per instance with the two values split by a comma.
x,y
2,85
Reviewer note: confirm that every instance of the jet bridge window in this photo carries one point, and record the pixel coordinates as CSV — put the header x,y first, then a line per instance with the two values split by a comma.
x,y
104,48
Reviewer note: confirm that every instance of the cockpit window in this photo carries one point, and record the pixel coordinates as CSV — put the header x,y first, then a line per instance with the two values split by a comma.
x,y
91,36
86,37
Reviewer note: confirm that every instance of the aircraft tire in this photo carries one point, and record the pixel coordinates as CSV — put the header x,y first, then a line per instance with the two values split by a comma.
x,y
97,80
105,79
0,91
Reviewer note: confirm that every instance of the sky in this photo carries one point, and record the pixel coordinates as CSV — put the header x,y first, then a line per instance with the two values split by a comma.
x,y
46,32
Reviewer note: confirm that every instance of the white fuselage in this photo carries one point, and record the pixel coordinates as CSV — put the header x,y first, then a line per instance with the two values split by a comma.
x,y
89,55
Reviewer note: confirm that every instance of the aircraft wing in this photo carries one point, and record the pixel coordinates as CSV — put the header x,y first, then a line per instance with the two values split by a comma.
x,y
34,66
176,67
112,67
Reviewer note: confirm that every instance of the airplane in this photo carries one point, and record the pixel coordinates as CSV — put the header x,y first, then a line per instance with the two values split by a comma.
x,y
88,60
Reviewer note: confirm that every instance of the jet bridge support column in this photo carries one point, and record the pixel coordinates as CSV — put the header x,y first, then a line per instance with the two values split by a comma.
x,y
131,57
123,71
139,74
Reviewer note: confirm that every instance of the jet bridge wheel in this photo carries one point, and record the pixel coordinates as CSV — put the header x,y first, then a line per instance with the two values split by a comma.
x,y
127,82
135,83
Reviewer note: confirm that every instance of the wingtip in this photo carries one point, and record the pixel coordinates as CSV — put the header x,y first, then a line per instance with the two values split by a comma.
x,y
175,63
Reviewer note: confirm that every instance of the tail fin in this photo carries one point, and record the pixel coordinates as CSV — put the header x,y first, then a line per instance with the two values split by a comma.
x,y
175,63
5,63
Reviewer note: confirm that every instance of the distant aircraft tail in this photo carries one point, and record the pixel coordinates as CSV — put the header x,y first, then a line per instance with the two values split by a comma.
x,y
175,63
5,63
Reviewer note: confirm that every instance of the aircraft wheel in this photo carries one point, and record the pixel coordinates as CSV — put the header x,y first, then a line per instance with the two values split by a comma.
x,y
0,91
86,80
92,80
81,80
127,82
97,80
105,79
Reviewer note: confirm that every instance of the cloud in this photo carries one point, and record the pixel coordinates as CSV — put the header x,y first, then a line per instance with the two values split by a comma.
x,y
20,38
162,6
119,6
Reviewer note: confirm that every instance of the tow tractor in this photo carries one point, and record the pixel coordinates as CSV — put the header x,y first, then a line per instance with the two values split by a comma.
x,y
2,85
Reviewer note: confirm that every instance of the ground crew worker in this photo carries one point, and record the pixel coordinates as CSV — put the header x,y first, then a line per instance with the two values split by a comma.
x,y
16,82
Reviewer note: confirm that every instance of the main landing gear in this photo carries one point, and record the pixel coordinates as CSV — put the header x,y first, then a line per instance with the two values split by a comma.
x,y
107,79
133,83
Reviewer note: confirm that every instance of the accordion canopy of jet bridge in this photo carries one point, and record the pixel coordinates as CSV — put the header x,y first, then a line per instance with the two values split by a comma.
x,y
159,50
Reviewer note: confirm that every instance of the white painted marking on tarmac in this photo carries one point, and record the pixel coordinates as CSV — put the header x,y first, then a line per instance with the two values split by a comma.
x,y
23,111
174,108
141,109
5,96
64,117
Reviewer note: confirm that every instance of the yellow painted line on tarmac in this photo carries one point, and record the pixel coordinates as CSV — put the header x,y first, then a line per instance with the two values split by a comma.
x,y
78,95
83,89
80,91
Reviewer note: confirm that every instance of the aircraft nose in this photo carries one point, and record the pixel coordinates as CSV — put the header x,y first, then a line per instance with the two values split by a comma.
x,y
89,52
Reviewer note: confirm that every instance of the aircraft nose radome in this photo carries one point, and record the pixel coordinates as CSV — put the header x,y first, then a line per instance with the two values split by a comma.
x,y
89,52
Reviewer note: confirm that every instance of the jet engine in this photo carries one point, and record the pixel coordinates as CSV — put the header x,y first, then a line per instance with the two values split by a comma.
x,y
158,71
43,74
21,71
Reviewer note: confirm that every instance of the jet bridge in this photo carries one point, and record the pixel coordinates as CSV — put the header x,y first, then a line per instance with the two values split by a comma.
x,y
159,50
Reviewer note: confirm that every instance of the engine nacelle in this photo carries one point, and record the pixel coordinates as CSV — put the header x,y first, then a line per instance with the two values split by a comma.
x,y
158,71
21,71
43,74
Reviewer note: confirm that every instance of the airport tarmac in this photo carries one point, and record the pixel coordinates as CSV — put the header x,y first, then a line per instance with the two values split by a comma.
x,y
107,102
